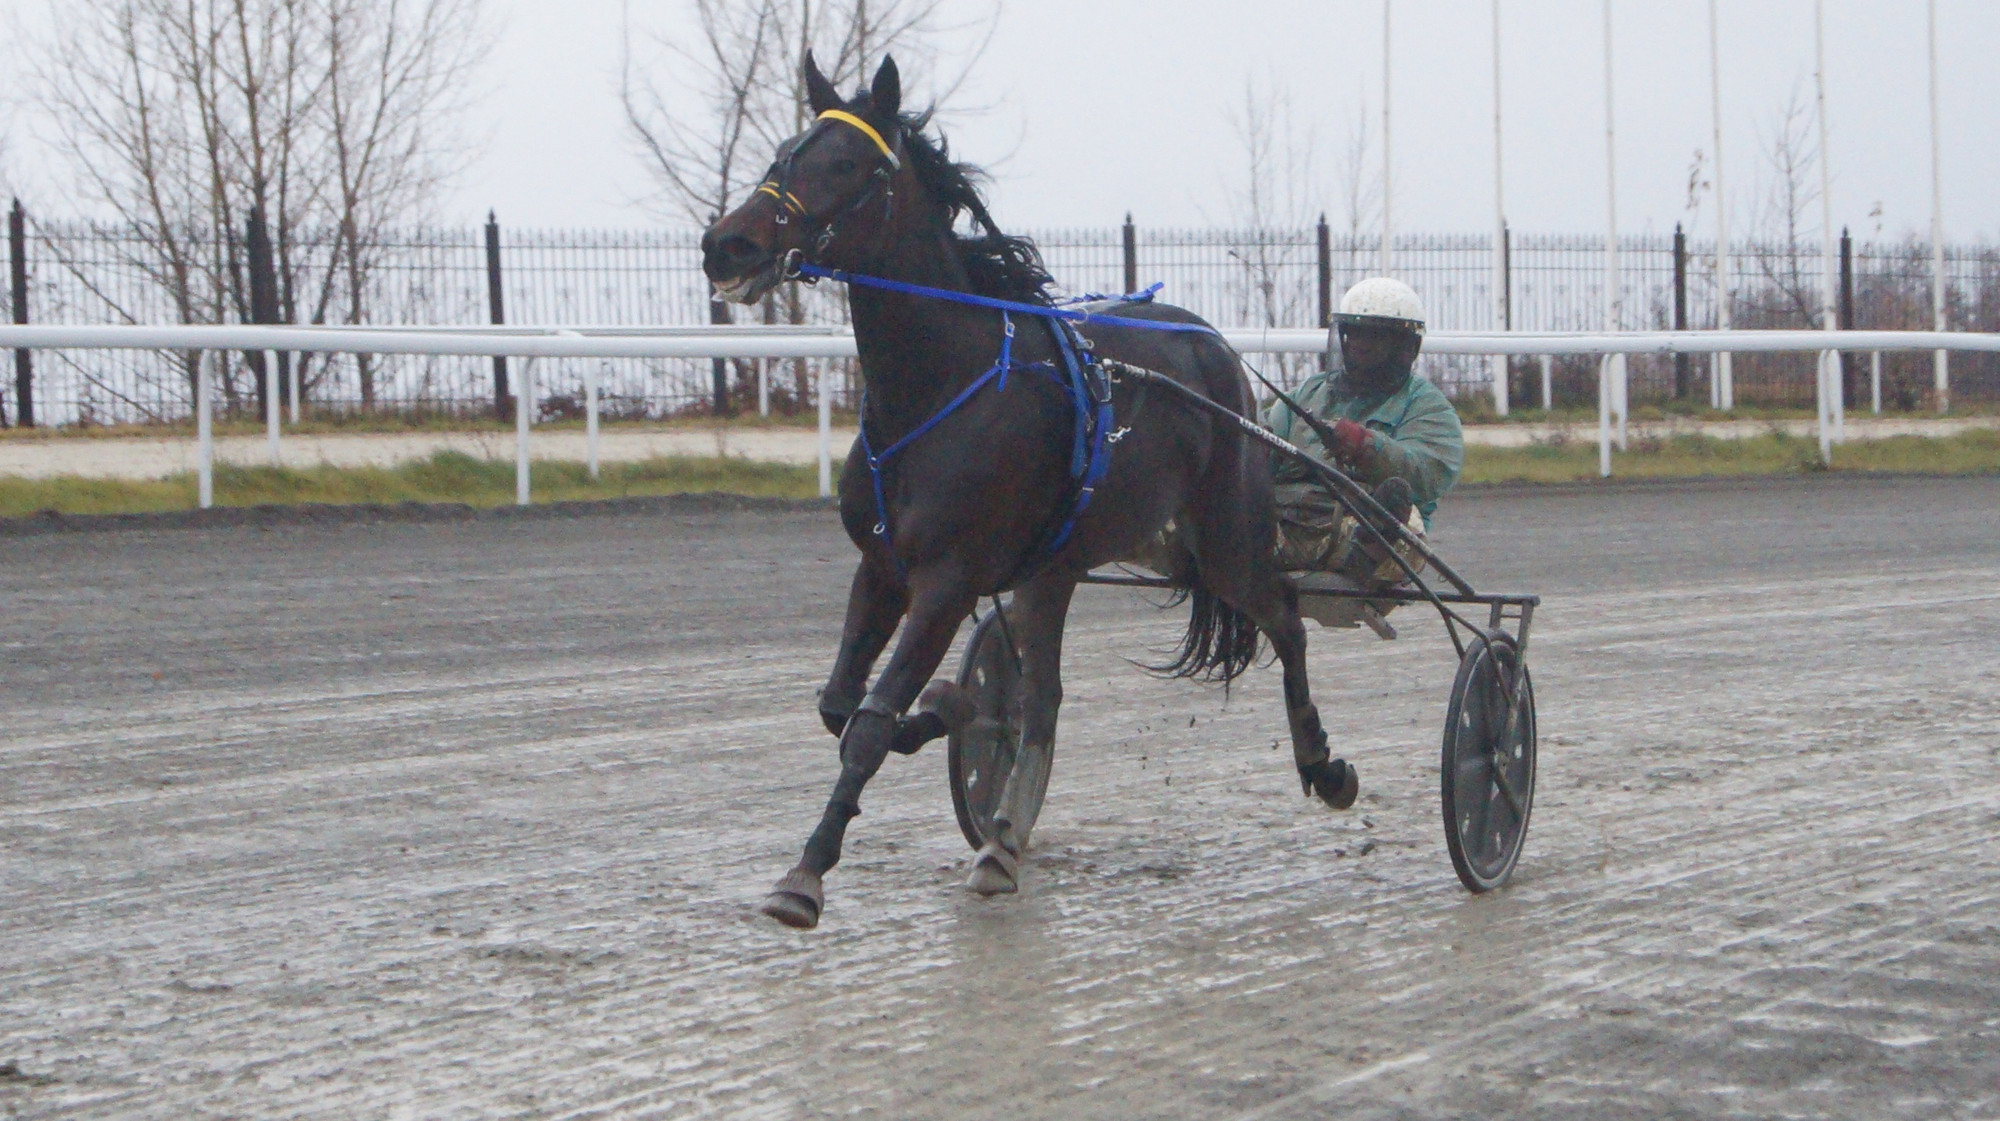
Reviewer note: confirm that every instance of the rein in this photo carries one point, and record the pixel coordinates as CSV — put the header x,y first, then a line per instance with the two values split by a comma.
x,y
1093,468
796,266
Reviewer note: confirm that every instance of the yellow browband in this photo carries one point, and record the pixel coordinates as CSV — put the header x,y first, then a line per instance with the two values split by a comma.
x,y
867,130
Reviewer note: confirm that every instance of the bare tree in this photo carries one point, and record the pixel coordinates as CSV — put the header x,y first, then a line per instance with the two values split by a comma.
x,y
1360,189
1792,159
181,119
703,159
736,93
1273,196
1698,184
736,90
396,75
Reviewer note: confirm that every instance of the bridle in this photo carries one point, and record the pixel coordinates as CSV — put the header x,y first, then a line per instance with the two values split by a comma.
x,y
777,184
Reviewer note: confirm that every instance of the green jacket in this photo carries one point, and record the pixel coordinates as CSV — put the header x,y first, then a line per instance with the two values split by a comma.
x,y
1415,433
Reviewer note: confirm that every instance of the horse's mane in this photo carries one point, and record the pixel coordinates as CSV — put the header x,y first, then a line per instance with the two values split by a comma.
x,y
1001,265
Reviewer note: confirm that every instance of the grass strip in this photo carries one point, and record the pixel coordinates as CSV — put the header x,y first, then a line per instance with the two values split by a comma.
x,y
445,477
449,476
1562,460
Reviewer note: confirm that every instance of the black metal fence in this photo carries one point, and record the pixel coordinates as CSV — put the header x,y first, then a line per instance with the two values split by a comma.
x,y
79,272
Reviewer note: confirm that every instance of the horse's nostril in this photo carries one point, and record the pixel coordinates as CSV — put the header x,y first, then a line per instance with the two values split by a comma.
x,y
739,248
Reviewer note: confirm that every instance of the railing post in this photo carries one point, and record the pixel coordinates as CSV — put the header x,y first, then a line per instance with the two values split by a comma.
x,y
590,373
1681,387
718,314
524,399
1621,395
496,312
1604,417
1875,380
24,363
204,429
820,370
271,406
1131,238
1548,382
764,364
1325,246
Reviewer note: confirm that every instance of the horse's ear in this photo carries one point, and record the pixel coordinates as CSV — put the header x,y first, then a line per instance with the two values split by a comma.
x,y
885,96
820,93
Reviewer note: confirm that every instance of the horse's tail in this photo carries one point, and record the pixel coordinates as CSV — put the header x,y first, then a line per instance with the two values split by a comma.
x,y
1221,642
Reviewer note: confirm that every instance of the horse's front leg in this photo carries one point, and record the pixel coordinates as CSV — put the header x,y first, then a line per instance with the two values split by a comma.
x,y
875,604
939,602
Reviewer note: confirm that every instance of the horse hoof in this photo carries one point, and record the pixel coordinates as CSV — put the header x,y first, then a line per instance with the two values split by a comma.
x,y
994,871
795,900
1338,794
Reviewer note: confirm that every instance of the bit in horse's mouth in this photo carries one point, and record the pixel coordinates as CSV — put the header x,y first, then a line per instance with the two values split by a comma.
x,y
747,289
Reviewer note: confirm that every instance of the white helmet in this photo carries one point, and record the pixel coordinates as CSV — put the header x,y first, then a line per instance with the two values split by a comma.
x,y
1380,301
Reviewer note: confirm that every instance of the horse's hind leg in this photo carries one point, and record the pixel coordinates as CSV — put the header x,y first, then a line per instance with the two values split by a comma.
x,y
1036,621
875,604
1236,565
937,606
1334,780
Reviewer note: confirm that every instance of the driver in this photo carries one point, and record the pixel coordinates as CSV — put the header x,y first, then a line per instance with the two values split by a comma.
x,y
1392,430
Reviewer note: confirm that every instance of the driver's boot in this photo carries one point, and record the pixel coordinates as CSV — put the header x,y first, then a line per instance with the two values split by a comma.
x,y
1397,499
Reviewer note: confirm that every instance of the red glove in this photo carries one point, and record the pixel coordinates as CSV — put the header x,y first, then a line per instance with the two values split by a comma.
x,y
1351,441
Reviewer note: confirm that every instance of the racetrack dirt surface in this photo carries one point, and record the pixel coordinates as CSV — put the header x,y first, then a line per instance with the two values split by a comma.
x,y
469,820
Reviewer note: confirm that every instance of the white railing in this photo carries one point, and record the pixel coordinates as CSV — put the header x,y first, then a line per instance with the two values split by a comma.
x,y
812,342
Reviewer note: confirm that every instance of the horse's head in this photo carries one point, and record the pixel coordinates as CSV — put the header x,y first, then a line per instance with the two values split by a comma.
x,y
830,194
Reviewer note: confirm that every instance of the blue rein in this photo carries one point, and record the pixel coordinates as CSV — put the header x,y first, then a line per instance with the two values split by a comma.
x,y
1072,314
1090,453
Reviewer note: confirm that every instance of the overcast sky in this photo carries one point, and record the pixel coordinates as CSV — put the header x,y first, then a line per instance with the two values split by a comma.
x,y
1099,107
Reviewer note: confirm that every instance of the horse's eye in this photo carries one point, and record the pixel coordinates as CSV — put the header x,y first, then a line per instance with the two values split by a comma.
x,y
843,167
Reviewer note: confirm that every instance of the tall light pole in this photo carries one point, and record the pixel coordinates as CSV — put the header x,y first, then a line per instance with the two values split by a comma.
x,y
1499,230
1941,362
1388,258
1613,301
1721,382
1611,374
1831,392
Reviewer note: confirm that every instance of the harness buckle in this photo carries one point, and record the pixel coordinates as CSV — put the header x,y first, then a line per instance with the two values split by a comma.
x,y
880,528
1114,437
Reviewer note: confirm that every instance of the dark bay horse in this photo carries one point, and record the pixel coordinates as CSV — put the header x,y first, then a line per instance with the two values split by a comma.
x,y
967,510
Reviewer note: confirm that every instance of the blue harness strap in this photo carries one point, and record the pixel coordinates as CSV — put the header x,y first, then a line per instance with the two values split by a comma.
x,y
1079,377
1090,452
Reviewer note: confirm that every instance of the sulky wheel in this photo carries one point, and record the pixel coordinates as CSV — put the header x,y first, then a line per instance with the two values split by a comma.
x,y
980,754
1488,769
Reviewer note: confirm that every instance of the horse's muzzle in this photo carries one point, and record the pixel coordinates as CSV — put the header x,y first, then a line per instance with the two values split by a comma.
x,y
741,270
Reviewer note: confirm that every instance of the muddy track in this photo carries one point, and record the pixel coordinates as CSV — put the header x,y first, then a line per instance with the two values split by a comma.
x,y
467,818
